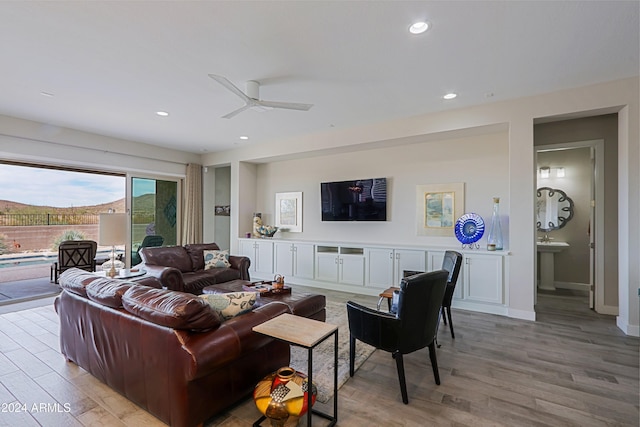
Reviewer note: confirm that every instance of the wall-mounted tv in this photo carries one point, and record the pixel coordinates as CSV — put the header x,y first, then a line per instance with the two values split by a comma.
x,y
356,200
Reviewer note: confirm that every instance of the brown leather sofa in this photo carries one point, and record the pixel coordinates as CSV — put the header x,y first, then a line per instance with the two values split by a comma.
x,y
181,268
166,351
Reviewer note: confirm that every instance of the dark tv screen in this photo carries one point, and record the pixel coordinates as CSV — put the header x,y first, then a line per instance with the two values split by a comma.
x,y
356,200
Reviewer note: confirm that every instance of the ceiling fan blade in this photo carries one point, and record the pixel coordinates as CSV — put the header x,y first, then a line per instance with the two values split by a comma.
x,y
230,86
236,112
286,105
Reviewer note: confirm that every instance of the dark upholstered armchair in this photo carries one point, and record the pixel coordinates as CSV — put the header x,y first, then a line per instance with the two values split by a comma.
x,y
412,328
452,263
74,253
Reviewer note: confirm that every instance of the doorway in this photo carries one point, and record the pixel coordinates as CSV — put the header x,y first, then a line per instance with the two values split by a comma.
x,y
572,247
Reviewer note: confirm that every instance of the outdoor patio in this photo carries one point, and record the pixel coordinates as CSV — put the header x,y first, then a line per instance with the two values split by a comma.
x,y
26,283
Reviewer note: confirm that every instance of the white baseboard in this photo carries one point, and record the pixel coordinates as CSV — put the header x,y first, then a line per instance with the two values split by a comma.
x,y
573,286
522,314
633,330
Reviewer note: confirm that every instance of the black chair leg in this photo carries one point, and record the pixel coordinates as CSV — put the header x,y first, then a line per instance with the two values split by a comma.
x,y
442,311
352,354
403,383
448,310
434,362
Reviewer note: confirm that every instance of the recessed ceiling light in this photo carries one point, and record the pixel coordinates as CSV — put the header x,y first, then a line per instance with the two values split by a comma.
x,y
450,95
419,27
244,137
162,113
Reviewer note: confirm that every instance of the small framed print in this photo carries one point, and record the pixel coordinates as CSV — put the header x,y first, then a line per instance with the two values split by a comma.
x,y
289,211
223,210
437,208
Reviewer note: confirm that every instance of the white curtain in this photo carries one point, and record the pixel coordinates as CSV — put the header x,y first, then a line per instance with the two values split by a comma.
x,y
192,229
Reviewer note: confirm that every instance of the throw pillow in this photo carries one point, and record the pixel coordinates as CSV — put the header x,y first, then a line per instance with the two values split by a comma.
x,y
216,259
231,304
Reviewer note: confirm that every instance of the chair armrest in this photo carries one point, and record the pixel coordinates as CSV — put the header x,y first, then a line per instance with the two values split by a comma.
x,y
170,277
241,263
373,327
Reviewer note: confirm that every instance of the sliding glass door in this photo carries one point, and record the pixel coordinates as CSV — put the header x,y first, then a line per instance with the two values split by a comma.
x,y
154,214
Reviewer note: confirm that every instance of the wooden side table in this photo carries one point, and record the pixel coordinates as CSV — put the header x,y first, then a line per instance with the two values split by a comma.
x,y
388,294
306,333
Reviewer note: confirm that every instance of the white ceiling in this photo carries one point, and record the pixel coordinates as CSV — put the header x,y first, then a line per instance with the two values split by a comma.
x,y
111,65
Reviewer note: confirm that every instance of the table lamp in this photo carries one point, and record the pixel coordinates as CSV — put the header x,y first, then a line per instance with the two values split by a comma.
x,y
113,231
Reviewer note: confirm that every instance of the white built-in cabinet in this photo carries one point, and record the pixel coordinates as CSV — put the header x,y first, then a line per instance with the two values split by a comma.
x,y
483,278
261,254
369,269
340,264
385,266
294,260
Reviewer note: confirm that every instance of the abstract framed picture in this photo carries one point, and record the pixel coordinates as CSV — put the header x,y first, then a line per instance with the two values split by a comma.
x,y
437,208
289,211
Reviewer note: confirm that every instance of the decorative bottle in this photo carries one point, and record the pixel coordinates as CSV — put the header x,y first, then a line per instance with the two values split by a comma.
x,y
494,238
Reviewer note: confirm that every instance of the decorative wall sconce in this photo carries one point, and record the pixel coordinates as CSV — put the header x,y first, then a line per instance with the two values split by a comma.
x,y
545,172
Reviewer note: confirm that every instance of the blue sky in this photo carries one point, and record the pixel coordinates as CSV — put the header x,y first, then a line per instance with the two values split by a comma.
x,y
46,187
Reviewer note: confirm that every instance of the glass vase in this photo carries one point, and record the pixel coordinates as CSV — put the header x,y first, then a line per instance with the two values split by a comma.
x,y
494,238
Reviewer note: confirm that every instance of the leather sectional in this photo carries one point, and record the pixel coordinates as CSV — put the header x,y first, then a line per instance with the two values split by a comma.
x,y
181,268
164,350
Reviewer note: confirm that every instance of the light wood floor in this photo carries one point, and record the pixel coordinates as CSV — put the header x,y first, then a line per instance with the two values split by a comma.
x,y
572,367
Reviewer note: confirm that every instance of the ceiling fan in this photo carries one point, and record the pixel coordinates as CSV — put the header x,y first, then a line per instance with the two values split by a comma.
x,y
252,100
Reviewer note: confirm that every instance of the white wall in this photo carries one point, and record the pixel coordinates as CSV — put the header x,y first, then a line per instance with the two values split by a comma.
x,y
26,140
222,235
518,116
477,161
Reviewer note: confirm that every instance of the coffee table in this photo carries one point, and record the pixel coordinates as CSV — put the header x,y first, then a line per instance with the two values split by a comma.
x,y
124,273
306,333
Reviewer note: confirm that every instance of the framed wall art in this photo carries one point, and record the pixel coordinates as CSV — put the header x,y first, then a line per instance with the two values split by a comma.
x,y
289,211
223,210
438,206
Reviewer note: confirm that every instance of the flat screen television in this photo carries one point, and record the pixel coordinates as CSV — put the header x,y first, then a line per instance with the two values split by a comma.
x,y
356,200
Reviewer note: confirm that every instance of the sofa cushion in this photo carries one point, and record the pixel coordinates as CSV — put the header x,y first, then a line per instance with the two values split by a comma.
x,y
108,292
216,259
177,310
195,251
231,304
75,280
173,256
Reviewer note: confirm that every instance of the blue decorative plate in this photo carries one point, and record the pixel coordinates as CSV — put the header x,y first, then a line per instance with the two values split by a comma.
x,y
469,228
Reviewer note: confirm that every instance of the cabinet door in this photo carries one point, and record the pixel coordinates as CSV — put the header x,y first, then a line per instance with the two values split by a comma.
x,y
327,267
303,260
408,259
264,257
283,258
248,249
483,278
379,268
351,269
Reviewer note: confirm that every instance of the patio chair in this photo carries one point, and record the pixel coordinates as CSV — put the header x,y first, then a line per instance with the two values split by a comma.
x,y
74,253
147,242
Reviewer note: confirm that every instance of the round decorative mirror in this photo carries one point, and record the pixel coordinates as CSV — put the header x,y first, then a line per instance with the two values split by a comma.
x,y
553,209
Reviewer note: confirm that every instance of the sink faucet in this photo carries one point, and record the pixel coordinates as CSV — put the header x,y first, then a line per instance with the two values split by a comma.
x,y
546,238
